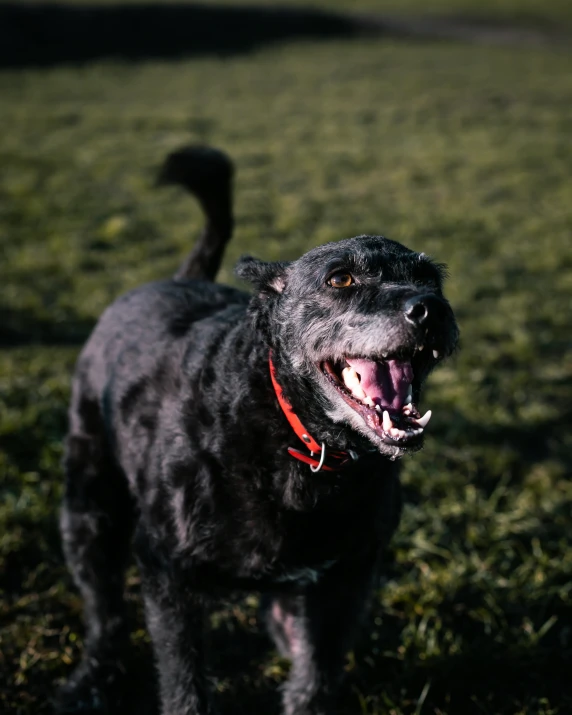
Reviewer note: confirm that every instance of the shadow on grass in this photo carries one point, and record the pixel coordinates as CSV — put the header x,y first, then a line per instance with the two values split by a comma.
x,y
49,34
35,35
490,678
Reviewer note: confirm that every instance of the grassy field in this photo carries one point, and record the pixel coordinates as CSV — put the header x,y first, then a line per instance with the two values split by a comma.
x,y
461,151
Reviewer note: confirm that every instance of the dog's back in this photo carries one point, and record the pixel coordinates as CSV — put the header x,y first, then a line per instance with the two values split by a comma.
x,y
134,356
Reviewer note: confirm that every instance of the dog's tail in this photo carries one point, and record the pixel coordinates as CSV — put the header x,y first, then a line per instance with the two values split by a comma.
x,y
207,173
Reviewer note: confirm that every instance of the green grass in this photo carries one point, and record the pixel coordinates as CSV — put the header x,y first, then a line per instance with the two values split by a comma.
x,y
460,151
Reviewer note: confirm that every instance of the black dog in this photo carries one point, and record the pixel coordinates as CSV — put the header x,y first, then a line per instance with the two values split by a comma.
x,y
251,441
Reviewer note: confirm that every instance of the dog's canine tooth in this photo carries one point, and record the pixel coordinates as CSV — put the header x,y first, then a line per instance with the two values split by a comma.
x,y
422,421
350,377
378,408
368,401
387,423
352,382
420,347
436,354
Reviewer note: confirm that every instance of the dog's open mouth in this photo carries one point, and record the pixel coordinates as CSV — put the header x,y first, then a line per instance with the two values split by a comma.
x,y
381,391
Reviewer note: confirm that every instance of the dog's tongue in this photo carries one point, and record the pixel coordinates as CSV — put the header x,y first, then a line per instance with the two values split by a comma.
x,y
387,383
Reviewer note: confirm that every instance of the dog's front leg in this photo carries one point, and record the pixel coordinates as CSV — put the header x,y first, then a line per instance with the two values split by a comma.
x,y
175,619
319,628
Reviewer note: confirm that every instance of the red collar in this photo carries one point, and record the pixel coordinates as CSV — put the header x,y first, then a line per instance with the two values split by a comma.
x,y
337,459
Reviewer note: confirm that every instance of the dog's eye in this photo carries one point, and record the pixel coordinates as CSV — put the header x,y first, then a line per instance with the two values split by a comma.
x,y
340,280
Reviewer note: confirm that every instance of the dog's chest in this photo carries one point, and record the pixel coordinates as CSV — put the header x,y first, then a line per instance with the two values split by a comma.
x,y
257,528
282,547
283,556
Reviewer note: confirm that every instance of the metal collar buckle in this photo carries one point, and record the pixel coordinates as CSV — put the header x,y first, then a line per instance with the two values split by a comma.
x,y
353,455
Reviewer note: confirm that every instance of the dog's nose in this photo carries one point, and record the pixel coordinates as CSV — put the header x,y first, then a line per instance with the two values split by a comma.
x,y
420,308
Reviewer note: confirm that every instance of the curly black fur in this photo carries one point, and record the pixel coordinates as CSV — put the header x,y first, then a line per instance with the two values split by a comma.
x,y
176,433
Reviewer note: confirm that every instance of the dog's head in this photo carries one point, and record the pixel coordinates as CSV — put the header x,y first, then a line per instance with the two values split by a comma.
x,y
356,326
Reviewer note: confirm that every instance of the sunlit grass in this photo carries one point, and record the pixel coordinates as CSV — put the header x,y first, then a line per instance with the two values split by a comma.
x,y
460,151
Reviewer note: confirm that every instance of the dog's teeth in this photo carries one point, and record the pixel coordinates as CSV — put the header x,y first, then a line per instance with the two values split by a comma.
x,y
407,409
436,354
409,398
351,380
387,423
368,401
350,377
378,408
420,347
422,421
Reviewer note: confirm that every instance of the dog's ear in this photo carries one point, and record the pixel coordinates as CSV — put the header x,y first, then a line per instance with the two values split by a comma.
x,y
269,278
